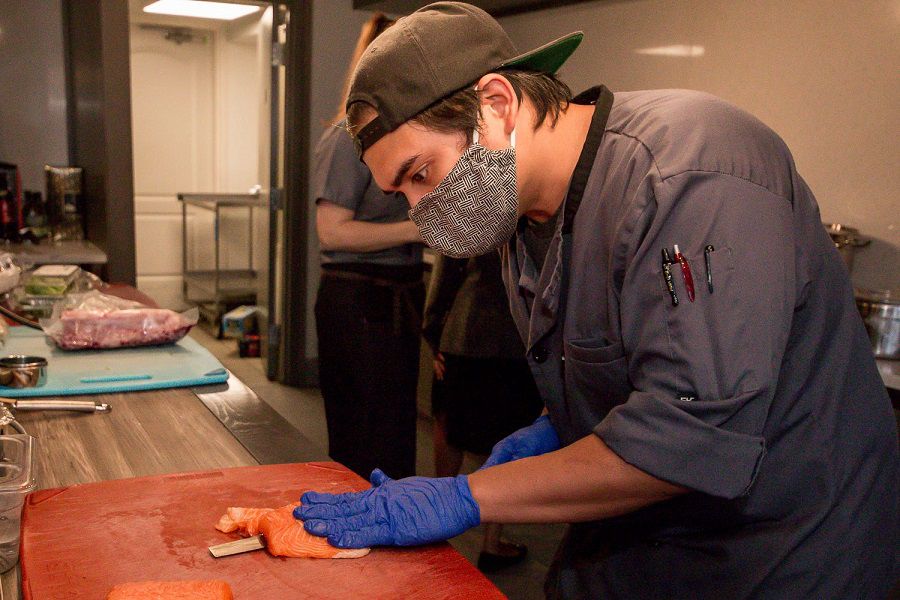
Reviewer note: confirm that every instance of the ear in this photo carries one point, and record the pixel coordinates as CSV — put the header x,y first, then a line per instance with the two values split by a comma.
x,y
499,105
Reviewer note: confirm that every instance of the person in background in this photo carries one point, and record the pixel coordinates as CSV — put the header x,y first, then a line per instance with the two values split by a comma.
x,y
482,389
717,426
368,308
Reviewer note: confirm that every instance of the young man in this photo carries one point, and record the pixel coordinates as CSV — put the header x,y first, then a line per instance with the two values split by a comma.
x,y
716,426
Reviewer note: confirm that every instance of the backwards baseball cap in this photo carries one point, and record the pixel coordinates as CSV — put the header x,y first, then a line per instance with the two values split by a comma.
x,y
432,53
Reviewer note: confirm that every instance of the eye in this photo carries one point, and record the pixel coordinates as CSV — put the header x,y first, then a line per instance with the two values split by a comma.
x,y
419,176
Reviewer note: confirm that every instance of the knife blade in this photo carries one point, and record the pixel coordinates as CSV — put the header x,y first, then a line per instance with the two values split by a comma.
x,y
256,542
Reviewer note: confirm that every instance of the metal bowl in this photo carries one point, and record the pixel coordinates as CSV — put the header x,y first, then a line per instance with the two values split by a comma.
x,y
19,371
880,311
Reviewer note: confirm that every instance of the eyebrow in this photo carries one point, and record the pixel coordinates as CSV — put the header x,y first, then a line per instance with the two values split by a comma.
x,y
401,172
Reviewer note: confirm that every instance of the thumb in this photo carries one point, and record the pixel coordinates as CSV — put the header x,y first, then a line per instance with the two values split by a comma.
x,y
378,477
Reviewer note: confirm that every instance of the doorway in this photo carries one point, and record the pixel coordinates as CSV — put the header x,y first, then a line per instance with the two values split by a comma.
x,y
207,121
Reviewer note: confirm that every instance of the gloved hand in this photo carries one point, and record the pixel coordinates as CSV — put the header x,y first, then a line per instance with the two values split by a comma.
x,y
406,512
534,440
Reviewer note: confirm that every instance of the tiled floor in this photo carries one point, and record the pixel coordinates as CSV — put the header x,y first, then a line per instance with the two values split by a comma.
x,y
302,407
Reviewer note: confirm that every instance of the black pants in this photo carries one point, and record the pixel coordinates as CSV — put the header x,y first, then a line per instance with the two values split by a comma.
x,y
368,322
484,400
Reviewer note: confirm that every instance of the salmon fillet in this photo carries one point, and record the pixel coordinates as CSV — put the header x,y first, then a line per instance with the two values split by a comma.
x,y
171,590
245,519
284,534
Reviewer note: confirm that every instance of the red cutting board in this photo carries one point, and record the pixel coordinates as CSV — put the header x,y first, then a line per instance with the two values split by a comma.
x,y
80,541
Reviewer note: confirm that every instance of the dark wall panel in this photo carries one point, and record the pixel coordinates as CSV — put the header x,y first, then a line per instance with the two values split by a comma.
x,y
99,101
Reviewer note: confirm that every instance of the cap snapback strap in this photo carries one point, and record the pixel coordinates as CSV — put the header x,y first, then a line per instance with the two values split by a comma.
x,y
368,135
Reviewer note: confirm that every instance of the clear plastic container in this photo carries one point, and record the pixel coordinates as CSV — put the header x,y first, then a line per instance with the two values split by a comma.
x,y
16,481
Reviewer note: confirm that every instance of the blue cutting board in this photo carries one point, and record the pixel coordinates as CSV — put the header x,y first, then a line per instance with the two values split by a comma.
x,y
75,372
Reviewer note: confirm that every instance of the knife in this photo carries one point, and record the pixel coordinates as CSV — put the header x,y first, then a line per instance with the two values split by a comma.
x,y
256,542
77,405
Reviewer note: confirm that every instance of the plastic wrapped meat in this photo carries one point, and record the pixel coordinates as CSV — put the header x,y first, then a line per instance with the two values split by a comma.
x,y
284,535
121,328
98,321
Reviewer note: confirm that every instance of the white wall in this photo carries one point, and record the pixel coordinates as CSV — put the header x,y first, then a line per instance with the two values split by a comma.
x,y
33,91
173,133
196,110
824,75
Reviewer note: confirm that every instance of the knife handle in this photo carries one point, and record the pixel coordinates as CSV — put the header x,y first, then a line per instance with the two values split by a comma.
x,y
256,542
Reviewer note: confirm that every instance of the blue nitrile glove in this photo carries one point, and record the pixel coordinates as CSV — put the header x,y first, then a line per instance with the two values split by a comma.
x,y
406,512
534,440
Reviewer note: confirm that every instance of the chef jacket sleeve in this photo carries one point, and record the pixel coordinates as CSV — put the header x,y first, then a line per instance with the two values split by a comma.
x,y
704,372
338,174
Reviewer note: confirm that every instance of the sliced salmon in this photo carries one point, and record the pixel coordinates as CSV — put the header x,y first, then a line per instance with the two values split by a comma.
x,y
245,519
284,534
172,590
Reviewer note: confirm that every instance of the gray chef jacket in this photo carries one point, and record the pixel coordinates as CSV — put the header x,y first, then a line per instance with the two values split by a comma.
x,y
761,395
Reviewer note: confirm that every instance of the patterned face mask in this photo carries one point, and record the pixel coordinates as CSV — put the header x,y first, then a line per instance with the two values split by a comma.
x,y
474,209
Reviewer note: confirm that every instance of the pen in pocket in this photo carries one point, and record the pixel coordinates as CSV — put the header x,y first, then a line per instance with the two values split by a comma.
x,y
667,275
685,272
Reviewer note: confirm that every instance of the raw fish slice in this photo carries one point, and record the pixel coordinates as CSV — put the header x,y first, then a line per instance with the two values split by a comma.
x,y
245,519
285,535
171,590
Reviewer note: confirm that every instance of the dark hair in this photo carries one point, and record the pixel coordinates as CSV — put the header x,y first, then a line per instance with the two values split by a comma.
x,y
459,112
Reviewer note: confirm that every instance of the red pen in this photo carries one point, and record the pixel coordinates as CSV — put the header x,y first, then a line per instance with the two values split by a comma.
x,y
685,272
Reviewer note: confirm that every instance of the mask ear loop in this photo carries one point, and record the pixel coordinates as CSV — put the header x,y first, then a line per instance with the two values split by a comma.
x,y
512,138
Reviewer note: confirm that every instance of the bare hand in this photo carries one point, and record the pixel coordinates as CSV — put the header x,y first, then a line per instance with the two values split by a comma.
x,y
440,367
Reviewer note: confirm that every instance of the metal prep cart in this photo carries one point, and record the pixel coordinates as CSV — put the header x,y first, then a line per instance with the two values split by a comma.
x,y
214,290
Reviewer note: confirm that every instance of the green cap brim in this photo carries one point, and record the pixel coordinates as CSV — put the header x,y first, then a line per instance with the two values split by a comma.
x,y
549,57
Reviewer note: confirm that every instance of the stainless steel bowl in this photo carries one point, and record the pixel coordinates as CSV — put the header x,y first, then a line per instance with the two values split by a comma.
x,y
19,371
880,311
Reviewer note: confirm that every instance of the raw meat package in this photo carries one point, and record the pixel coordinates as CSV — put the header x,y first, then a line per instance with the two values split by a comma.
x,y
285,535
172,590
94,320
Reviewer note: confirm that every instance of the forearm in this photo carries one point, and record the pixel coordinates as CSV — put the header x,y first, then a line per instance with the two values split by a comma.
x,y
361,236
581,482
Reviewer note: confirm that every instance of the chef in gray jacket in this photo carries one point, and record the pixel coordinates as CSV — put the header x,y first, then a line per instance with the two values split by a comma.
x,y
716,426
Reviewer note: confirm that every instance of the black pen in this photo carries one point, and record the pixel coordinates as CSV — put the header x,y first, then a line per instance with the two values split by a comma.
x,y
706,253
667,275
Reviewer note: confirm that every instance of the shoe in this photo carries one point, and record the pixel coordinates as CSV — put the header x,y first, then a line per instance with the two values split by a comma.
x,y
488,562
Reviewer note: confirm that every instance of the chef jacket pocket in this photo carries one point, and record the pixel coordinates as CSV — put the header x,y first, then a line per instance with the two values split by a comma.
x,y
597,373
714,274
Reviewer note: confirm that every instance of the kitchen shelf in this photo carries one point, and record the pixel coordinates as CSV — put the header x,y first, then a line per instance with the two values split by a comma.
x,y
214,289
232,285
69,252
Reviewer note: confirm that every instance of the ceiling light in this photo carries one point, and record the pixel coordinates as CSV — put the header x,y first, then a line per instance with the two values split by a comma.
x,y
676,50
202,9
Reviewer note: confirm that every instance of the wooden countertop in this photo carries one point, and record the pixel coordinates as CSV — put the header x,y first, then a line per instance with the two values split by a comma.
x,y
158,432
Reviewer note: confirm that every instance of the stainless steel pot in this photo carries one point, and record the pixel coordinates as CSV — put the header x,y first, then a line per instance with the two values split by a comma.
x,y
20,371
880,311
846,240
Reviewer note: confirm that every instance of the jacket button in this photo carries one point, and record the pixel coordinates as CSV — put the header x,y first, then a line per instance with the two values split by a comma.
x,y
539,354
